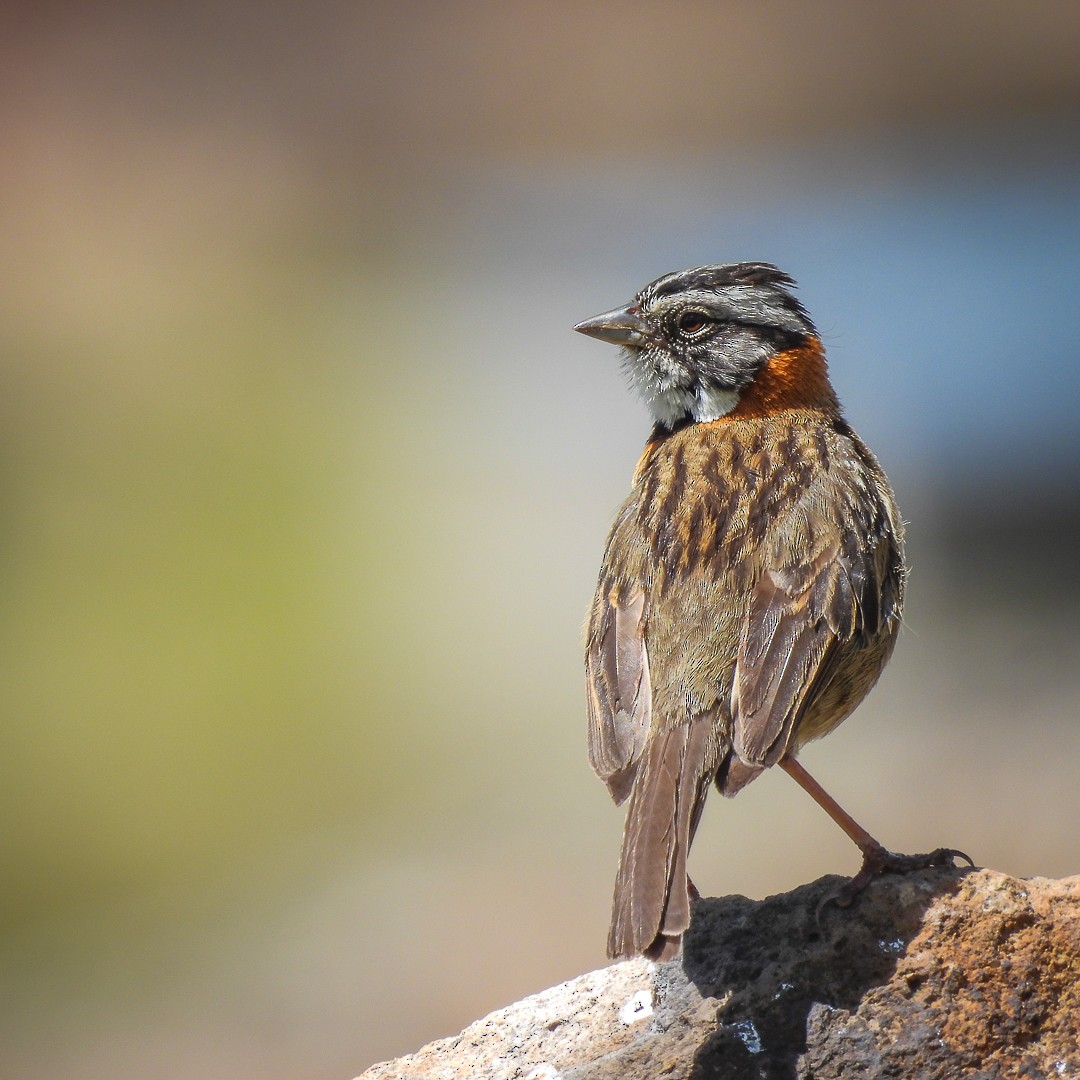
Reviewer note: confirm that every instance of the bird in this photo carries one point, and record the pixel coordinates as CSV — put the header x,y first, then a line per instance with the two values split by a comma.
x,y
752,585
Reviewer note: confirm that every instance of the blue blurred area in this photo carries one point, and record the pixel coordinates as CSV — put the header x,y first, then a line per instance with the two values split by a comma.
x,y
940,270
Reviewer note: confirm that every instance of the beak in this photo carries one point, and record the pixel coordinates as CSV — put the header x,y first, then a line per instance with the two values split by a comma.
x,y
623,326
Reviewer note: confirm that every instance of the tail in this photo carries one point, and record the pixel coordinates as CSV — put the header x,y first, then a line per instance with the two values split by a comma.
x,y
651,909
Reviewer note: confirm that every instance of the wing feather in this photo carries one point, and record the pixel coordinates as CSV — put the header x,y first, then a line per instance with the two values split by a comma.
x,y
620,691
798,625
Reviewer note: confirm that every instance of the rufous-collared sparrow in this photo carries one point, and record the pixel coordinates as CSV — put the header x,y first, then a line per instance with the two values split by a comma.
x,y
752,585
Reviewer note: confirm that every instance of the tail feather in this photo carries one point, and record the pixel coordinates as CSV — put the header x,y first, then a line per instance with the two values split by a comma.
x,y
651,909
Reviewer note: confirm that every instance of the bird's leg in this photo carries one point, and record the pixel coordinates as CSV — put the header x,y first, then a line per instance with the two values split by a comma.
x,y
876,858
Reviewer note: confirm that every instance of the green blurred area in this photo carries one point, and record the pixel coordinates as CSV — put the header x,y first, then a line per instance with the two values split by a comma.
x,y
241,572
159,627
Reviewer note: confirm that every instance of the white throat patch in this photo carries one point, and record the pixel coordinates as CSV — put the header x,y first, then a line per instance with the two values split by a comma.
x,y
714,403
660,381
675,404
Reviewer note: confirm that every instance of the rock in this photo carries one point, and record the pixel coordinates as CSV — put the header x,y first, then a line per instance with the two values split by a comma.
x,y
937,975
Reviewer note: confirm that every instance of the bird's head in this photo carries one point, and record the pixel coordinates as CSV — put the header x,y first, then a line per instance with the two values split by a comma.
x,y
708,342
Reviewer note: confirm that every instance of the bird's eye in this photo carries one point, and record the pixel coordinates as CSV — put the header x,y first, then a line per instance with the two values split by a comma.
x,y
690,322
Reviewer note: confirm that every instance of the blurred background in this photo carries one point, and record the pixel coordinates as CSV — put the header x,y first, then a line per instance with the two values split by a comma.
x,y
305,481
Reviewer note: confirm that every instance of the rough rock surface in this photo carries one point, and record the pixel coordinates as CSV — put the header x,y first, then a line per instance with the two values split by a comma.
x,y
939,975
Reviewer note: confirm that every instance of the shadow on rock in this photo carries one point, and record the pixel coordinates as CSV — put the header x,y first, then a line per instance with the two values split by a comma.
x,y
773,965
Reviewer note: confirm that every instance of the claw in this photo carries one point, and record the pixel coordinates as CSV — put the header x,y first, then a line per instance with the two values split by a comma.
x,y
877,861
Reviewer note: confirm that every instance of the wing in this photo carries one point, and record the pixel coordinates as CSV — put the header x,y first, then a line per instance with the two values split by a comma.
x,y
800,625
619,690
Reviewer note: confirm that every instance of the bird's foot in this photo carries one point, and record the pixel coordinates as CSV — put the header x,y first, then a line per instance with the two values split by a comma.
x,y
877,861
